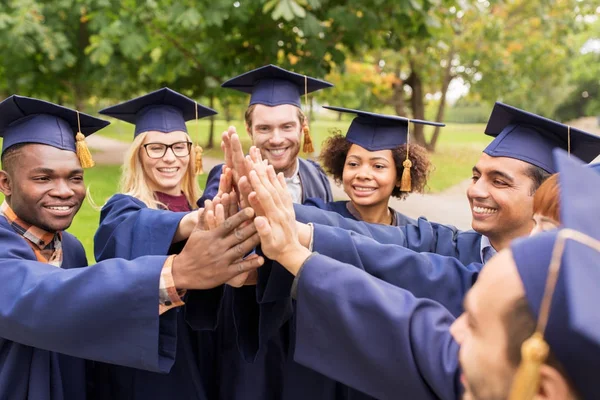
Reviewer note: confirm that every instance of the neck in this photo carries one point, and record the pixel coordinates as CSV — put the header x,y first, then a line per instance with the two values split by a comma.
x,y
374,214
176,191
502,241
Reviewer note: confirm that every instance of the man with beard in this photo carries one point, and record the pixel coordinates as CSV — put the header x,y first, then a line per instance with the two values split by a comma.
x,y
275,122
54,314
384,341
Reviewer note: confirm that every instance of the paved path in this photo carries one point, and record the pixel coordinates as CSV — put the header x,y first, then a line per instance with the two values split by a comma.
x,y
450,206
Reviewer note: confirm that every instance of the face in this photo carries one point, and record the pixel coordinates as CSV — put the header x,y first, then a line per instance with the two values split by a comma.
x,y
481,330
276,132
542,223
166,173
500,198
369,176
46,187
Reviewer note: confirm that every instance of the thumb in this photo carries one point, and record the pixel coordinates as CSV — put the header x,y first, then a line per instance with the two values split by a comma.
x,y
262,227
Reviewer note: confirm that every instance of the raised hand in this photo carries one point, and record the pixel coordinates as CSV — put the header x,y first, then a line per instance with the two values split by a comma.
x,y
277,228
213,257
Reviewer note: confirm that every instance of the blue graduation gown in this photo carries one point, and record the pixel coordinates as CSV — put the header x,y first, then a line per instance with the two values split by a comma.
x,y
313,179
129,229
341,207
52,318
374,336
424,237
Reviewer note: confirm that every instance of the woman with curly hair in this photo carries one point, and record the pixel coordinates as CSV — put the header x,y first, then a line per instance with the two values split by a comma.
x,y
374,162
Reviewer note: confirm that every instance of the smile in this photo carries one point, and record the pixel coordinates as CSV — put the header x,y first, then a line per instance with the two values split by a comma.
x,y
277,152
168,170
484,210
59,208
364,189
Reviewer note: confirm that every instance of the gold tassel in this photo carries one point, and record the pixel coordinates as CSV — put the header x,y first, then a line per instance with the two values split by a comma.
x,y
534,352
198,150
308,143
83,152
406,181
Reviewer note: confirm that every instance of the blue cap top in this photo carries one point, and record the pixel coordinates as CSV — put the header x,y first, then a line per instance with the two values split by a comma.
x,y
273,86
29,120
378,131
163,110
531,138
573,330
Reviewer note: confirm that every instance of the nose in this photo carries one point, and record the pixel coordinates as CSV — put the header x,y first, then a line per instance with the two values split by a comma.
x,y
457,329
170,155
364,172
276,137
62,189
478,190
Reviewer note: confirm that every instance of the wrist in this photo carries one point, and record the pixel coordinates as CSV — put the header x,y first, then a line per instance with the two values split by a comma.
x,y
178,272
293,259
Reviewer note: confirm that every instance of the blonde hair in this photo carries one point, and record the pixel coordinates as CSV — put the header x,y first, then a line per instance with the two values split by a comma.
x,y
134,180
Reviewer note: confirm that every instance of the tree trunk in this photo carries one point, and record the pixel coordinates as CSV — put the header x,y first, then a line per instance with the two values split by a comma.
x,y
447,78
417,105
398,95
211,133
226,104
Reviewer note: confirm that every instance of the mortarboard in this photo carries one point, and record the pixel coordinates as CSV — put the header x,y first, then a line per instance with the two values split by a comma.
x,y
163,110
273,86
560,271
531,138
382,132
378,131
29,120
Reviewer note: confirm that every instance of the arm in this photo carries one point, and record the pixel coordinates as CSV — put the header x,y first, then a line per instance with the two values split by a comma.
x,y
373,336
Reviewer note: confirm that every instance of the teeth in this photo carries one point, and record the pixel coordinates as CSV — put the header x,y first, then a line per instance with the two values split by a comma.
x,y
482,210
168,169
277,152
363,189
63,208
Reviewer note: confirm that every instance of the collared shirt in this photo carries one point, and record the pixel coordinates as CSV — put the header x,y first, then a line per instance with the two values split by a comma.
x,y
47,247
294,185
486,250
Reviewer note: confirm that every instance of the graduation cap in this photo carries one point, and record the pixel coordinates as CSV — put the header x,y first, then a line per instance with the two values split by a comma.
x,y
163,110
531,138
273,86
560,271
29,120
382,132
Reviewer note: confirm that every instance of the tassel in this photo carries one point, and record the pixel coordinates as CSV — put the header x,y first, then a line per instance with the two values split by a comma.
x,y
308,143
405,181
198,150
83,152
534,352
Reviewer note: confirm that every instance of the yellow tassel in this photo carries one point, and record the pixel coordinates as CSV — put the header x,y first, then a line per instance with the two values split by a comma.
x,y
405,181
534,352
308,143
83,152
198,150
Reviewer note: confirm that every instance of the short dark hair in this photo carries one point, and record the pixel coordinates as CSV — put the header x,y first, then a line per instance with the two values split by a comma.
x,y
336,148
538,176
10,156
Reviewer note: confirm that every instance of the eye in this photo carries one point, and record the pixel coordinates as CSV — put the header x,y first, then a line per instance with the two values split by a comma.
x,y
352,164
379,166
180,146
499,182
156,147
41,178
77,179
475,178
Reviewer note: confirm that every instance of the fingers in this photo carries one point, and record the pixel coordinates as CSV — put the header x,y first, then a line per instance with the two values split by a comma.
x,y
241,249
245,189
225,181
226,146
241,268
263,228
235,221
264,196
233,204
208,213
255,204
238,235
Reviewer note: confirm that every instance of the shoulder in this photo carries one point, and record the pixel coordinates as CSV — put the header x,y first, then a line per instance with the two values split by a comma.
x,y
14,246
123,200
307,163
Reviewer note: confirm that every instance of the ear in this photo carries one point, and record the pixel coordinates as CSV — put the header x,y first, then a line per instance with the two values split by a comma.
x,y
553,385
249,130
5,183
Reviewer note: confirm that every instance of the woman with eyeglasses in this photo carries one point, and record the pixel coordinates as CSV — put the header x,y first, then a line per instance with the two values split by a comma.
x,y
154,214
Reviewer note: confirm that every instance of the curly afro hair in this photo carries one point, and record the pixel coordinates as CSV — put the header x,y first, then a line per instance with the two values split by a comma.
x,y
336,148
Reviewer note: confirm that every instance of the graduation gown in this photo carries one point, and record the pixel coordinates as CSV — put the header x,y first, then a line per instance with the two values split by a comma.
x,y
341,207
313,179
424,237
129,229
52,318
374,336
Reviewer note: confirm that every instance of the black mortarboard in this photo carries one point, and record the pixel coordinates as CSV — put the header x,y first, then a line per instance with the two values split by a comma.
x,y
273,86
531,138
163,110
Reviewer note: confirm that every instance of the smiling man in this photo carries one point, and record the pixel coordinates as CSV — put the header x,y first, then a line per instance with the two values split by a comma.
x,y
276,123
54,313
508,173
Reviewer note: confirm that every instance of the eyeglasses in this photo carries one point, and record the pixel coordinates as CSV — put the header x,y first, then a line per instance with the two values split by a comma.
x,y
158,150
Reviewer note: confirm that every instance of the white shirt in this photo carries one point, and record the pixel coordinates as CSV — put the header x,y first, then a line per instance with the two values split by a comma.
x,y
294,185
486,250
